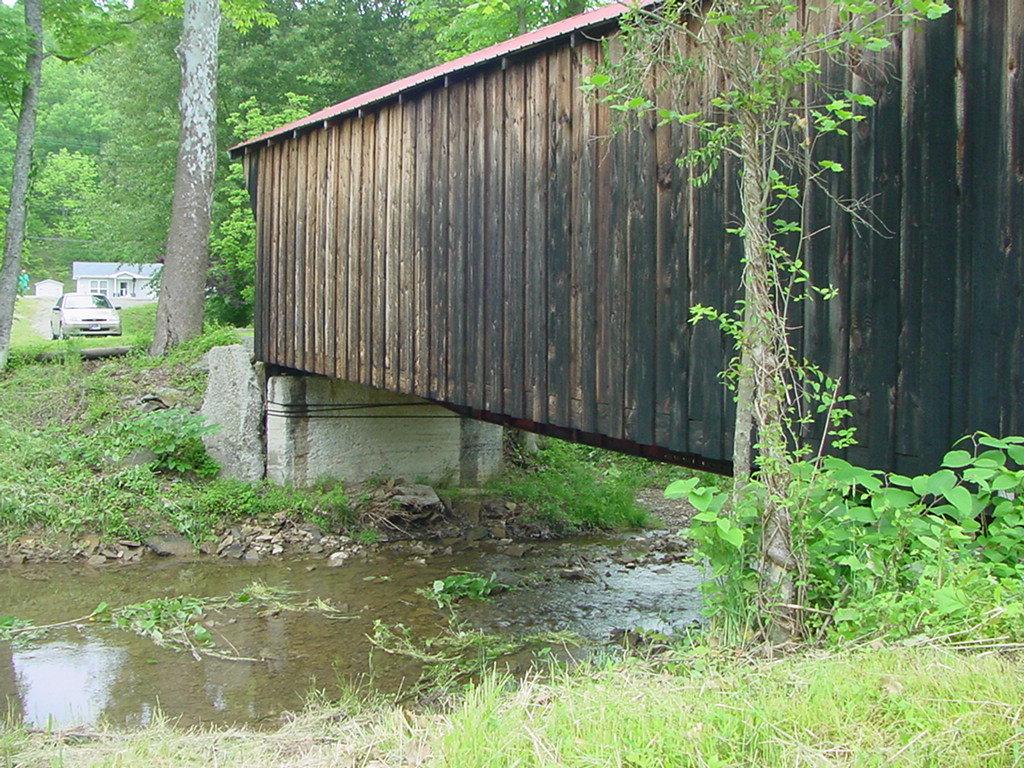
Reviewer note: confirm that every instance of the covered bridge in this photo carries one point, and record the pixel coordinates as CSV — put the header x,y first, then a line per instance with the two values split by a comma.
x,y
477,235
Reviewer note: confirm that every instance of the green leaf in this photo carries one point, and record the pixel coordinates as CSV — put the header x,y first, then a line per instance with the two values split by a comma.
x,y
960,498
940,482
1006,481
679,489
949,600
957,459
729,533
897,498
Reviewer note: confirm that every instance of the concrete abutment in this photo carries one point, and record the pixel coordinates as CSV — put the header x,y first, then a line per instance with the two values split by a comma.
x,y
327,429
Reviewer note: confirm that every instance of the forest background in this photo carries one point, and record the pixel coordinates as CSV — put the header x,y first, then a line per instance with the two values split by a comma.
x,y
104,158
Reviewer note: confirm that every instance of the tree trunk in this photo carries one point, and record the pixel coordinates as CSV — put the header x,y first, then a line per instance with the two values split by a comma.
x,y
26,132
179,314
765,346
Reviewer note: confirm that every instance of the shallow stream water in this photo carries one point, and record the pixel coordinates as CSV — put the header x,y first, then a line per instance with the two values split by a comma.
x,y
92,671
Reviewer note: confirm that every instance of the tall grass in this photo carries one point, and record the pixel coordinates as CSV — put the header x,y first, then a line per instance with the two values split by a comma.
x,y
897,706
574,487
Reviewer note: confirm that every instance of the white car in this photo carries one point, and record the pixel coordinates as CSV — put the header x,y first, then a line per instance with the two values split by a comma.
x,y
84,314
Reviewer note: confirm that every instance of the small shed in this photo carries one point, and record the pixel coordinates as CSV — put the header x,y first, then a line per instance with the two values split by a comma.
x,y
114,278
48,289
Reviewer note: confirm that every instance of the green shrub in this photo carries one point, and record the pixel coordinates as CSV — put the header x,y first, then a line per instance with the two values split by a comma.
x,y
571,487
884,554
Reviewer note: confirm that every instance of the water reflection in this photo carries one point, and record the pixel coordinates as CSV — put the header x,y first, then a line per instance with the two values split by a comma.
x,y
96,672
66,683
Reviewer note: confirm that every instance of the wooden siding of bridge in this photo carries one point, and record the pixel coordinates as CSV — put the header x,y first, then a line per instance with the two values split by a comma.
x,y
493,244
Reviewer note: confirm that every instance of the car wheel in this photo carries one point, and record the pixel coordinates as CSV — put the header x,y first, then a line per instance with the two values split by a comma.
x,y
60,333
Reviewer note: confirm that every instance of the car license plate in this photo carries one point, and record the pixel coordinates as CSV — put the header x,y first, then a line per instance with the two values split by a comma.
x,y
94,327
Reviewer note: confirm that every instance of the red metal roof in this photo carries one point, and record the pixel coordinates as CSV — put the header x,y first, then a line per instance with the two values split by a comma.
x,y
563,28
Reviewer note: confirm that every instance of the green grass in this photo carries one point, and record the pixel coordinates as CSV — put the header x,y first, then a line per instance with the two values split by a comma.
x,y
895,706
66,427
575,487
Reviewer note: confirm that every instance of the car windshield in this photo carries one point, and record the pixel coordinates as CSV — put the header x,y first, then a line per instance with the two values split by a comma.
x,y
86,302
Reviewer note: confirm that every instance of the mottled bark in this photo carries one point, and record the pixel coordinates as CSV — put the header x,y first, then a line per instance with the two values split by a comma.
x,y
26,132
766,360
186,260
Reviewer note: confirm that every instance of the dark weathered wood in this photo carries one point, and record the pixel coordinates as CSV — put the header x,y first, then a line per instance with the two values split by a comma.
x,y
513,284
493,257
408,286
497,241
876,171
560,209
423,214
535,202
459,130
379,264
582,323
928,264
343,139
439,251
476,242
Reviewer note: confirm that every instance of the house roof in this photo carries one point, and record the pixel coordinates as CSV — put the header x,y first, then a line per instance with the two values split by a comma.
x,y
599,17
81,269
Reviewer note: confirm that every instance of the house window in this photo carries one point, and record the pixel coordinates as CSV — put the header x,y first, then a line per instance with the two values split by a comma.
x,y
98,286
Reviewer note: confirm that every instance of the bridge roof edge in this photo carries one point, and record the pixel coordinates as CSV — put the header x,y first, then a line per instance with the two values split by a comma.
x,y
583,21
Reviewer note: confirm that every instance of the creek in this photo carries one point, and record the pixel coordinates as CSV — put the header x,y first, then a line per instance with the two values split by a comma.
x,y
93,671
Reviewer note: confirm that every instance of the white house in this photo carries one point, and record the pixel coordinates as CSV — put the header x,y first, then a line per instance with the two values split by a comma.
x,y
114,279
49,289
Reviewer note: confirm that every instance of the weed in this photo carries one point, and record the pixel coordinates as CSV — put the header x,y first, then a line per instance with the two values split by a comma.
x,y
571,487
886,554
449,590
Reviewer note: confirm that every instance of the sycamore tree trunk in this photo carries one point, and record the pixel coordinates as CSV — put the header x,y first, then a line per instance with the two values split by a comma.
x,y
765,350
26,132
179,315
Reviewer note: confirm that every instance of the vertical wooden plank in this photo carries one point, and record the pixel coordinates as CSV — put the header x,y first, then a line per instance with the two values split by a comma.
x,y
328,224
559,226
612,375
297,257
641,317
709,274
342,206
440,252
672,289
408,279
260,160
271,309
381,163
514,283
307,263
476,187
875,172
815,340
394,160
423,247
354,349
929,259
321,225
983,239
458,166
1013,200
604,180
582,343
367,245
536,191
493,262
